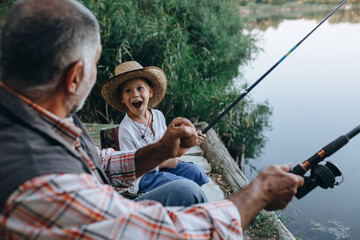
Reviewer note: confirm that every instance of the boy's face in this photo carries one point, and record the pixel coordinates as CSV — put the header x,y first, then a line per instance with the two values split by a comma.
x,y
135,95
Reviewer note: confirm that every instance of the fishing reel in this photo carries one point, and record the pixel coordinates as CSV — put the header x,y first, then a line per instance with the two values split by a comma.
x,y
320,175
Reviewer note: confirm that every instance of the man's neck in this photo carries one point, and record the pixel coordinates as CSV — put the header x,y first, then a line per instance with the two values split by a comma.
x,y
53,103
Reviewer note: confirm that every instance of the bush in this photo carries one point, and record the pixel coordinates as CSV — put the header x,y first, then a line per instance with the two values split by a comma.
x,y
199,45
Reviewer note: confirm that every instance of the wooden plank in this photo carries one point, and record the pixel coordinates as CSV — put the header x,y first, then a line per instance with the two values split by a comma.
x,y
220,160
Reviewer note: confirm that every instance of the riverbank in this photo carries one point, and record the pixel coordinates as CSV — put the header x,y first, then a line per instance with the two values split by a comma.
x,y
297,7
252,11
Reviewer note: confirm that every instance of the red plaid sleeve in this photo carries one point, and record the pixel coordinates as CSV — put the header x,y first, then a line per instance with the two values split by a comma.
x,y
71,206
119,167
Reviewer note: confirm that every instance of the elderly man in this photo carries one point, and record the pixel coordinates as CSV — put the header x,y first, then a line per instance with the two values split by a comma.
x,y
50,186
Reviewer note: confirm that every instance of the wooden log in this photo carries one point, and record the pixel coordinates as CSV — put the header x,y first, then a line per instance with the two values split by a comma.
x,y
236,152
221,161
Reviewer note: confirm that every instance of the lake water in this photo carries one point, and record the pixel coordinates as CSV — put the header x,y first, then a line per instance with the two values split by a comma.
x,y
315,96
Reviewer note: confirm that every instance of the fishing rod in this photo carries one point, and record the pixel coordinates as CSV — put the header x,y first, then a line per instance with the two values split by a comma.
x,y
221,115
322,175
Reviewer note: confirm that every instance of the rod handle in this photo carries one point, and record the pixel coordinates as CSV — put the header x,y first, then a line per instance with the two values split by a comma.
x,y
335,145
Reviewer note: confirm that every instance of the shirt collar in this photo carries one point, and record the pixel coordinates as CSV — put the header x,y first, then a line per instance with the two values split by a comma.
x,y
63,127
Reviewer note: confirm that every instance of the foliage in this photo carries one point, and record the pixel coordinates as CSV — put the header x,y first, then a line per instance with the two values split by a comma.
x,y
265,225
246,122
199,45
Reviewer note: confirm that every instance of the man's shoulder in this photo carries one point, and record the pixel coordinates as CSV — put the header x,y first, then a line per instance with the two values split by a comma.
x,y
27,141
27,152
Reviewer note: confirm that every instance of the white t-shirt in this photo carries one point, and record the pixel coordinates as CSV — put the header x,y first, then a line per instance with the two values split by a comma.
x,y
130,136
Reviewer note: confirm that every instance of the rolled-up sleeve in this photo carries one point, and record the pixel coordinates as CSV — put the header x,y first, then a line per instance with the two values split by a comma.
x,y
119,167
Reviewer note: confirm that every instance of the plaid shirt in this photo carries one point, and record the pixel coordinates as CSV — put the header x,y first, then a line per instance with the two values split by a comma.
x,y
79,206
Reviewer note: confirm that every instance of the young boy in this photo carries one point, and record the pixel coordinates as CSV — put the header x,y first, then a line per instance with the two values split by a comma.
x,y
136,90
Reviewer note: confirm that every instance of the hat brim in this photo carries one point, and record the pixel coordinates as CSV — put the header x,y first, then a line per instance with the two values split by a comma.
x,y
109,88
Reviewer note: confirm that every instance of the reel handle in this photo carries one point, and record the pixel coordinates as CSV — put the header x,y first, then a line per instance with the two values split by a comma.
x,y
321,175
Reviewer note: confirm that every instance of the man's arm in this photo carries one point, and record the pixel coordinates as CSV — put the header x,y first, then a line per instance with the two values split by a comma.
x,y
273,189
59,206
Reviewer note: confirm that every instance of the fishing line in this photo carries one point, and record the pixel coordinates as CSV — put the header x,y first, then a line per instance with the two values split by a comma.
x,y
351,173
268,71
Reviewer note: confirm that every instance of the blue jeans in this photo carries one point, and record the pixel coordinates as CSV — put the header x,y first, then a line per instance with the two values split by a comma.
x,y
182,192
188,170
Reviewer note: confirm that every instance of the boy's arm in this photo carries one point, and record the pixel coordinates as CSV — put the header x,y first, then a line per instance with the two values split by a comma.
x,y
171,163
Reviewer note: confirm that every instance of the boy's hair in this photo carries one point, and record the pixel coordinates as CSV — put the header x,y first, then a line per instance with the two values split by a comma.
x,y
121,87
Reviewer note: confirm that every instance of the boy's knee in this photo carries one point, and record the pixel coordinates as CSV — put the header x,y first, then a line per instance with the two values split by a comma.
x,y
189,191
182,192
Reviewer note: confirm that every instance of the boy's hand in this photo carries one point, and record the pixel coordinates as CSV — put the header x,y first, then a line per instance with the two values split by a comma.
x,y
171,163
200,137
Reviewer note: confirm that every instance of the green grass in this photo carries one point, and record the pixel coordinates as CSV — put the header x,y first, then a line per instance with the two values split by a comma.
x,y
265,226
94,131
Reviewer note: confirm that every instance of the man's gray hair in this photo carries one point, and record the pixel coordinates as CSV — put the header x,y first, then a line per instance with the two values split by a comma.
x,y
41,39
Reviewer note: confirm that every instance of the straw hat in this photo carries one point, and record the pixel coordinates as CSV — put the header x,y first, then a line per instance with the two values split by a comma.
x,y
131,70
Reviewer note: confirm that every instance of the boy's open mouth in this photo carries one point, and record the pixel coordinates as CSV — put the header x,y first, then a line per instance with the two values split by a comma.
x,y
137,104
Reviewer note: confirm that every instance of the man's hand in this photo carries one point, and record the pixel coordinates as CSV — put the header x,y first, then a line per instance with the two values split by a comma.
x,y
178,138
279,186
272,189
171,163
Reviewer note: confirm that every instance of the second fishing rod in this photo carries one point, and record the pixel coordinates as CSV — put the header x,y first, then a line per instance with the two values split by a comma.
x,y
221,115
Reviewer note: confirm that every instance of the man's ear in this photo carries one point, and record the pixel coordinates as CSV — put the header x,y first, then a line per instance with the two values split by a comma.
x,y
74,76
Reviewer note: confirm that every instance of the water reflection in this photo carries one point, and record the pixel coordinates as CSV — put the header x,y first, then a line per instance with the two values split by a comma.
x,y
314,95
273,20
